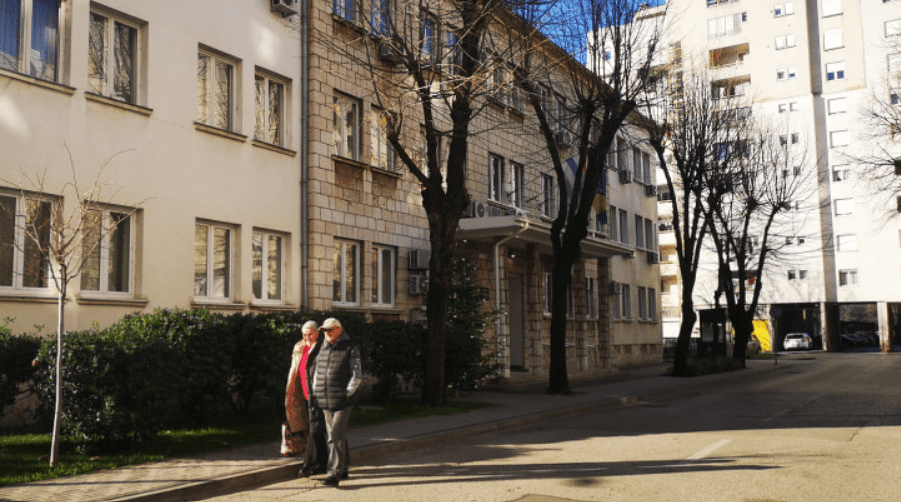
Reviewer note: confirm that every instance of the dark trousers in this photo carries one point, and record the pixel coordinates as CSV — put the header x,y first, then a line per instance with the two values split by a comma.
x,y
315,458
336,425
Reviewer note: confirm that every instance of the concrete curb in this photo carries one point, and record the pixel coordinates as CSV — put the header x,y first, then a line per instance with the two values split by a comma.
x,y
252,479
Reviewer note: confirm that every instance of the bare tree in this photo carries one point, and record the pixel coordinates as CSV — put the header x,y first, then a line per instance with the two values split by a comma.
x,y
62,233
433,72
881,116
685,137
580,112
753,192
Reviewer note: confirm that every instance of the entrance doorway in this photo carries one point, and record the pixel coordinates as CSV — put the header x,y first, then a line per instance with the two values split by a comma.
x,y
515,323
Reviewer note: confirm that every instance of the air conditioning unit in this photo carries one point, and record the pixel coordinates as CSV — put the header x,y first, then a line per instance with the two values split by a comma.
x,y
285,7
650,190
415,285
563,138
494,211
653,258
390,53
418,259
515,211
615,288
477,209
625,176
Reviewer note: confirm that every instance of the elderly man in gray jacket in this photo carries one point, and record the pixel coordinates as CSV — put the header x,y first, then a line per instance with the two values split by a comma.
x,y
336,379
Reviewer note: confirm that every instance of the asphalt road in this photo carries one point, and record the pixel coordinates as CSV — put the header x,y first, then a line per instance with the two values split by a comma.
x,y
823,429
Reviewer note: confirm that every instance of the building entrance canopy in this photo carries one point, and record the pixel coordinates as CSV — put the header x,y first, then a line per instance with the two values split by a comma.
x,y
490,229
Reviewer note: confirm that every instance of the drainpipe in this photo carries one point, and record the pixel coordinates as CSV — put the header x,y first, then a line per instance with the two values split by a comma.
x,y
497,288
304,124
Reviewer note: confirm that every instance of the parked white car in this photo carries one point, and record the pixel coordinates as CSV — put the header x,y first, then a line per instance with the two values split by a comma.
x,y
797,341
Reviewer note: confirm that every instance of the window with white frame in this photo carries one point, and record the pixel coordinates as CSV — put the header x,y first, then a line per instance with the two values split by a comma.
x,y
636,164
624,226
517,185
847,277
785,42
783,9
495,178
844,207
113,51
30,37
25,226
835,71
381,153
612,223
616,296
381,17
345,9
268,266
627,301
548,196
837,105
591,298
832,7
215,91
453,56
846,242
841,173
646,167
213,248
428,32
621,155
346,273
833,39
269,118
893,27
789,73
725,25
839,138
642,303
346,126
382,264
108,251
639,232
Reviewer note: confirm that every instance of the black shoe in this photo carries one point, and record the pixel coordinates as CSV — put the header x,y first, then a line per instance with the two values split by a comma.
x,y
330,481
305,473
345,476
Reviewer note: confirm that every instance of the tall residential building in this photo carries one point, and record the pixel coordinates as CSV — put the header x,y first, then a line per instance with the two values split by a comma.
x,y
812,68
247,152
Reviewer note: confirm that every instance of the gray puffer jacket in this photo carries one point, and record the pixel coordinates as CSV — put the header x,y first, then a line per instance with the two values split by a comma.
x,y
338,374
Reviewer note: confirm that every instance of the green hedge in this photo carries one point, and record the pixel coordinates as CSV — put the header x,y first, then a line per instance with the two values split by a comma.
x,y
174,367
16,356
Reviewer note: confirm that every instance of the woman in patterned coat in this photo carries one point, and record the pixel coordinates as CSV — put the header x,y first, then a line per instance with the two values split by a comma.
x,y
296,407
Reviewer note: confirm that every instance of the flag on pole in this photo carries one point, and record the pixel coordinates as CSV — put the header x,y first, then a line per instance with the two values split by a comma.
x,y
600,197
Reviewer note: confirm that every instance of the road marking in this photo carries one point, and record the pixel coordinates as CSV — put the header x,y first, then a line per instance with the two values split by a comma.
x,y
707,451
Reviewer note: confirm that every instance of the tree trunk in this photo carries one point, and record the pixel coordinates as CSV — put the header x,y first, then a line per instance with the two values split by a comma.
x,y
683,343
434,391
58,408
561,277
743,325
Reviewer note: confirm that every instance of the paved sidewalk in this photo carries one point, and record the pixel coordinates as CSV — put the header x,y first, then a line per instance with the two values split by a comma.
x,y
259,464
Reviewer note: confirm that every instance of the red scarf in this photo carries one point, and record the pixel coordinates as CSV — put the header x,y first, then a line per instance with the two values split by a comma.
x,y
303,372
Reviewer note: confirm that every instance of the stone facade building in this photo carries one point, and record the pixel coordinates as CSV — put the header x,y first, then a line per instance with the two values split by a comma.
x,y
246,151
